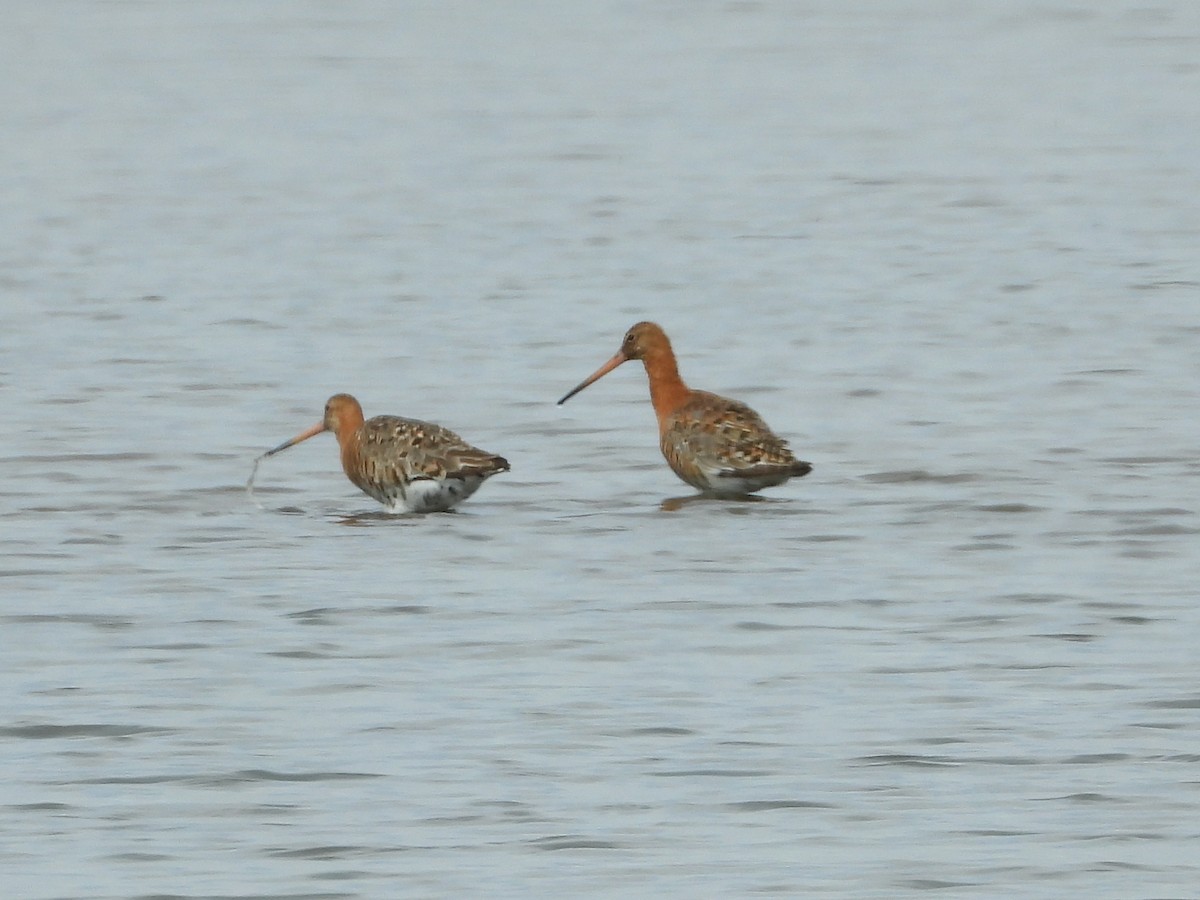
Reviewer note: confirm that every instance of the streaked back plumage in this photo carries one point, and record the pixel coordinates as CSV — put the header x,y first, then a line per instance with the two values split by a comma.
x,y
388,457
723,446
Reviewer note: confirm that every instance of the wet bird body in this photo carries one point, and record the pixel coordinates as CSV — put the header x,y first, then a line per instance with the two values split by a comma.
x,y
406,464
717,445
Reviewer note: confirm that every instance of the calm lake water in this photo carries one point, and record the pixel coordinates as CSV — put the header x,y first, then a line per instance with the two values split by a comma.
x,y
949,250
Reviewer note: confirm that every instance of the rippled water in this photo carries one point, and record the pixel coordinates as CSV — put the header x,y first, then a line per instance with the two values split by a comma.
x,y
948,250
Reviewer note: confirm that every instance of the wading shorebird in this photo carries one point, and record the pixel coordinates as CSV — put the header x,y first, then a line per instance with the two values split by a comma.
x,y
715,444
405,464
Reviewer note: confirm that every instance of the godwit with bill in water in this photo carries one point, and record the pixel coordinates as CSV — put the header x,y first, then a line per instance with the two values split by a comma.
x,y
715,444
405,464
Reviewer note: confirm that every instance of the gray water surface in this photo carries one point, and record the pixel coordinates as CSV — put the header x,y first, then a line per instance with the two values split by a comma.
x,y
949,250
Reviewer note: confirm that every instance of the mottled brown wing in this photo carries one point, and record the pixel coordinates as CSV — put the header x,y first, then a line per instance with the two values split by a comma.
x,y
393,449
724,437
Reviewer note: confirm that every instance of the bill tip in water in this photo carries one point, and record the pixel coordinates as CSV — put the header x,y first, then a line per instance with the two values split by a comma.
x,y
250,480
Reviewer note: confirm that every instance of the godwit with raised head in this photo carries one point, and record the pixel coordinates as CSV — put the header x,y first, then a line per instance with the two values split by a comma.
x,y
405,464
715,444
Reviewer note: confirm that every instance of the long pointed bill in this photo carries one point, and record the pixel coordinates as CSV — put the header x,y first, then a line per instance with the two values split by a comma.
x,y
595,376
302,436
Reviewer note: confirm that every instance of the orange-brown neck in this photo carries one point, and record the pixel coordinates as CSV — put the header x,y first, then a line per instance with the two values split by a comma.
x,y
667,390
345,420
348,445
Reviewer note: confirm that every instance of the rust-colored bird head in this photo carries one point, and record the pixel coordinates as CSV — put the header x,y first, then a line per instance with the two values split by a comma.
x,y
343,414
644,341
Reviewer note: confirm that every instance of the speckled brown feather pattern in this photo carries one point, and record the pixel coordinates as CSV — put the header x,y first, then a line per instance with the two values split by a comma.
x,y
712,437
386,451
